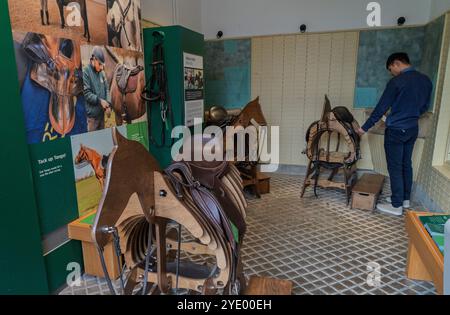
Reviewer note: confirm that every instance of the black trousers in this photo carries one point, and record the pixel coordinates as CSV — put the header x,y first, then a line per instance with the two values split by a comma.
x,y
399,147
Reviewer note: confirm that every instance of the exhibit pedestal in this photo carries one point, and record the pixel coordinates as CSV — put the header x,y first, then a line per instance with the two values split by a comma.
x,y
425,261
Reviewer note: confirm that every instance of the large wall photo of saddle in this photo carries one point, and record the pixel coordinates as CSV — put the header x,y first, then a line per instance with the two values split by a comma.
x,y
81,20
113,79
51,87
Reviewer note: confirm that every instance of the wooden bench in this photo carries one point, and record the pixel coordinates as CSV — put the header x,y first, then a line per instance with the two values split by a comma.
x,y
268,286
366,192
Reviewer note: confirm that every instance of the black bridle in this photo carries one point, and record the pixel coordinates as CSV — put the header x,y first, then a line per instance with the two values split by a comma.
x,y
157,91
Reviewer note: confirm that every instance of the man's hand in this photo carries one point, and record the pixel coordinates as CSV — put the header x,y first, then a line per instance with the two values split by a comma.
x,y
361,131
104,104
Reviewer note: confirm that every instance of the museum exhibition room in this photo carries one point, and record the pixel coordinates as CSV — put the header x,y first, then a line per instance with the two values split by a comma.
x,y
225,148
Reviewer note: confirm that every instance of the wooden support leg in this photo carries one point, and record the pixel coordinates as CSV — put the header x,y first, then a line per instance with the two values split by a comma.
x,y
131,282
348,186
305,183
163,282
254,174
333,174
209,287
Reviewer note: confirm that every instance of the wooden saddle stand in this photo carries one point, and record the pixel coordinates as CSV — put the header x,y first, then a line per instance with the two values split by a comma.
x,y
335,124
163,221
250,115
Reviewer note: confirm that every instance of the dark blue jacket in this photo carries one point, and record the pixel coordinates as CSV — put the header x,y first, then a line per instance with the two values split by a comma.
x,y
408,96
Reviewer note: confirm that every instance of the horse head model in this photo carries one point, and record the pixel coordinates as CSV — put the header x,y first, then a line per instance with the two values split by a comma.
x,y
153,216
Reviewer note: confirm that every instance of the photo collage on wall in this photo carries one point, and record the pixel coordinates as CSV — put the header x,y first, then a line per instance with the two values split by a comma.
x,y
81,71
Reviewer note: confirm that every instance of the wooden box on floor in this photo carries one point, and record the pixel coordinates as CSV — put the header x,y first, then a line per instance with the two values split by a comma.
x,y
262,181
425,260
366,192
81,230
268,286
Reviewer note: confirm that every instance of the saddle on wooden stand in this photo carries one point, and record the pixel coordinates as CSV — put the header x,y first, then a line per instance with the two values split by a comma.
x,y
158,219
250,115
336,124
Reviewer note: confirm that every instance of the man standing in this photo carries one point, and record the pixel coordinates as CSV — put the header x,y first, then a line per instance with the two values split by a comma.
x,y
96,91
407,96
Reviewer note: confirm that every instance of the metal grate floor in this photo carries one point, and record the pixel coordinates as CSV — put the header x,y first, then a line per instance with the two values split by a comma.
x,y
321,245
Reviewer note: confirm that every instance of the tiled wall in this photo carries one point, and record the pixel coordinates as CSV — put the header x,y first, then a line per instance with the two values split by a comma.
x,y
433,185
375,46
227,73
431,48
421,43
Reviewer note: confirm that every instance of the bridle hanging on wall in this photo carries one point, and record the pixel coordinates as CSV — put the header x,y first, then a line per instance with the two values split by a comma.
x,y
157,91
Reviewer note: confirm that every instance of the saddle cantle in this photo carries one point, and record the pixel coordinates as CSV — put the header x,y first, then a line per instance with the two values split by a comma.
x,y
56,67
127,78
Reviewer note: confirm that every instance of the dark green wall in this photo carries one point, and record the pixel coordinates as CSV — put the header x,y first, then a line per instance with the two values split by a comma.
x,y
177,40
22,268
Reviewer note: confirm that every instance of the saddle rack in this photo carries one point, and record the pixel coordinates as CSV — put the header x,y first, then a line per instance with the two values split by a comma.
x,y
138,205
335,124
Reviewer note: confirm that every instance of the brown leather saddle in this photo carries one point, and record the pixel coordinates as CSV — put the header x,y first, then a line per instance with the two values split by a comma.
x,y
57,68
127,78
203,177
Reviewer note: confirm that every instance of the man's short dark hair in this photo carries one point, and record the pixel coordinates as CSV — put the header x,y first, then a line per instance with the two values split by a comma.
x,y
401,56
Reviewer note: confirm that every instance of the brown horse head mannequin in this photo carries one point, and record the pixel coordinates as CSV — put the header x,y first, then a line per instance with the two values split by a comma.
x,y
118,190
252,111
57,68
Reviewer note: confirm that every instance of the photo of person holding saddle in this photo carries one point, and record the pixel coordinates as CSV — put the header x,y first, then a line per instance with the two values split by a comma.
x,y
96,91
